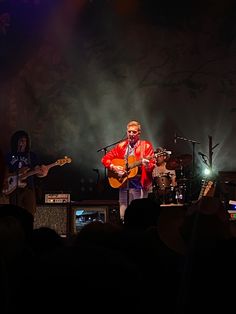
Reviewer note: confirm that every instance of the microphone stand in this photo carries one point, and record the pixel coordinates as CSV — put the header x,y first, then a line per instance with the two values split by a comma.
x,y
207,160
211,148
194,142
104,149
193,150
127,173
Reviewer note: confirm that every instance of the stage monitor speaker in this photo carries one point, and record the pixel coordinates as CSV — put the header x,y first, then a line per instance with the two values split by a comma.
x,y
87,211
54,216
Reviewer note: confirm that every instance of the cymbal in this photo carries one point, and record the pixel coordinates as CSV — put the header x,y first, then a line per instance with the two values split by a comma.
x,y
185,159
178,162
172,164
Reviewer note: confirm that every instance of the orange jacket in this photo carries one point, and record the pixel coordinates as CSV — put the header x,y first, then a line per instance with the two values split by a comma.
x,y
143,149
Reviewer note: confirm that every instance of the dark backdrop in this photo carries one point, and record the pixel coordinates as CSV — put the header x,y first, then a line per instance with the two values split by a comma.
x,y
73,73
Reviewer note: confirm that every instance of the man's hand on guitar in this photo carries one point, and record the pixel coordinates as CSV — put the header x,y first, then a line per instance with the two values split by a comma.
x,y
145,162
118,169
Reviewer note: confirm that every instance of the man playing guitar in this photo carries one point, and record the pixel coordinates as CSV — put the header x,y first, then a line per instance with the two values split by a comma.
x,y
130,164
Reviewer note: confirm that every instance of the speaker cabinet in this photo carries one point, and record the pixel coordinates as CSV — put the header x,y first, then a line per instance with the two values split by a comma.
x,y
54,216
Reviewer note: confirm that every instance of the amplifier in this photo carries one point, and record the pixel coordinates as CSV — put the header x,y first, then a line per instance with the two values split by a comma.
x,y
57,198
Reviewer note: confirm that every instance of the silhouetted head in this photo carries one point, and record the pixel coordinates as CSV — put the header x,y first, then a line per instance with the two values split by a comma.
x,y
142,214
25,218
200,226
45,239
208,220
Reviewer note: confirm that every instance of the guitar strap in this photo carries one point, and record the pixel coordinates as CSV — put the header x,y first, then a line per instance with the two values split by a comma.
x,y
30,166
29,159
142,148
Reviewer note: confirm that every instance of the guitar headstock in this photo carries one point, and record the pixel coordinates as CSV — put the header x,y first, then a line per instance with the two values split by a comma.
x,y
208,188
63,161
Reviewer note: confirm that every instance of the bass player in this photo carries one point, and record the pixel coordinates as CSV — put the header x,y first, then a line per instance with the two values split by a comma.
x,y
18,161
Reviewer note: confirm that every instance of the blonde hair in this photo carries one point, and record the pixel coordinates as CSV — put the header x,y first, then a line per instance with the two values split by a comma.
x,y
134,123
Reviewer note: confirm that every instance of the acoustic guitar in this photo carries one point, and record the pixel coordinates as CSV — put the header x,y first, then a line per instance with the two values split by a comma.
x,y
13,180
116,180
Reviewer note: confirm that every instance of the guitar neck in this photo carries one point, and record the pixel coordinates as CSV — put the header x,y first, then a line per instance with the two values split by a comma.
x,y
134,164
137,163
17,180
52,165
34,171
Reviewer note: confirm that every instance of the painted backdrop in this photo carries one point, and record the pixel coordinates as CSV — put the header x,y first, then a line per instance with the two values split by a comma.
x,y
73,73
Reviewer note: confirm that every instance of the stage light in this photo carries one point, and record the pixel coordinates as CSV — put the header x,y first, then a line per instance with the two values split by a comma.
x,y
207,172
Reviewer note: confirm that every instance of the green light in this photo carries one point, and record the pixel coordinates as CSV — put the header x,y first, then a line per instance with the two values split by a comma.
x,y
207,171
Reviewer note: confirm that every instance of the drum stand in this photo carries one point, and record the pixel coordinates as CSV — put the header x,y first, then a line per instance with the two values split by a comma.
x,y
193,142
182,188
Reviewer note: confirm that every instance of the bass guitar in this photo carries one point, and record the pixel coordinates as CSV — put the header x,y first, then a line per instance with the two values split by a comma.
x,y
115,180
13,180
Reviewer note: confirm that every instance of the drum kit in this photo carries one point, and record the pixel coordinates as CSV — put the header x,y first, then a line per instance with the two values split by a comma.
x,y
163,191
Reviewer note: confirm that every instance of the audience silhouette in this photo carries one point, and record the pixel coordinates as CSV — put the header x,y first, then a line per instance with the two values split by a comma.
x,y
181,259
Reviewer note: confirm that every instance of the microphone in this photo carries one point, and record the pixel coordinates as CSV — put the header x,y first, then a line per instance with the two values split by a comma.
x,y
201,154
175,138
